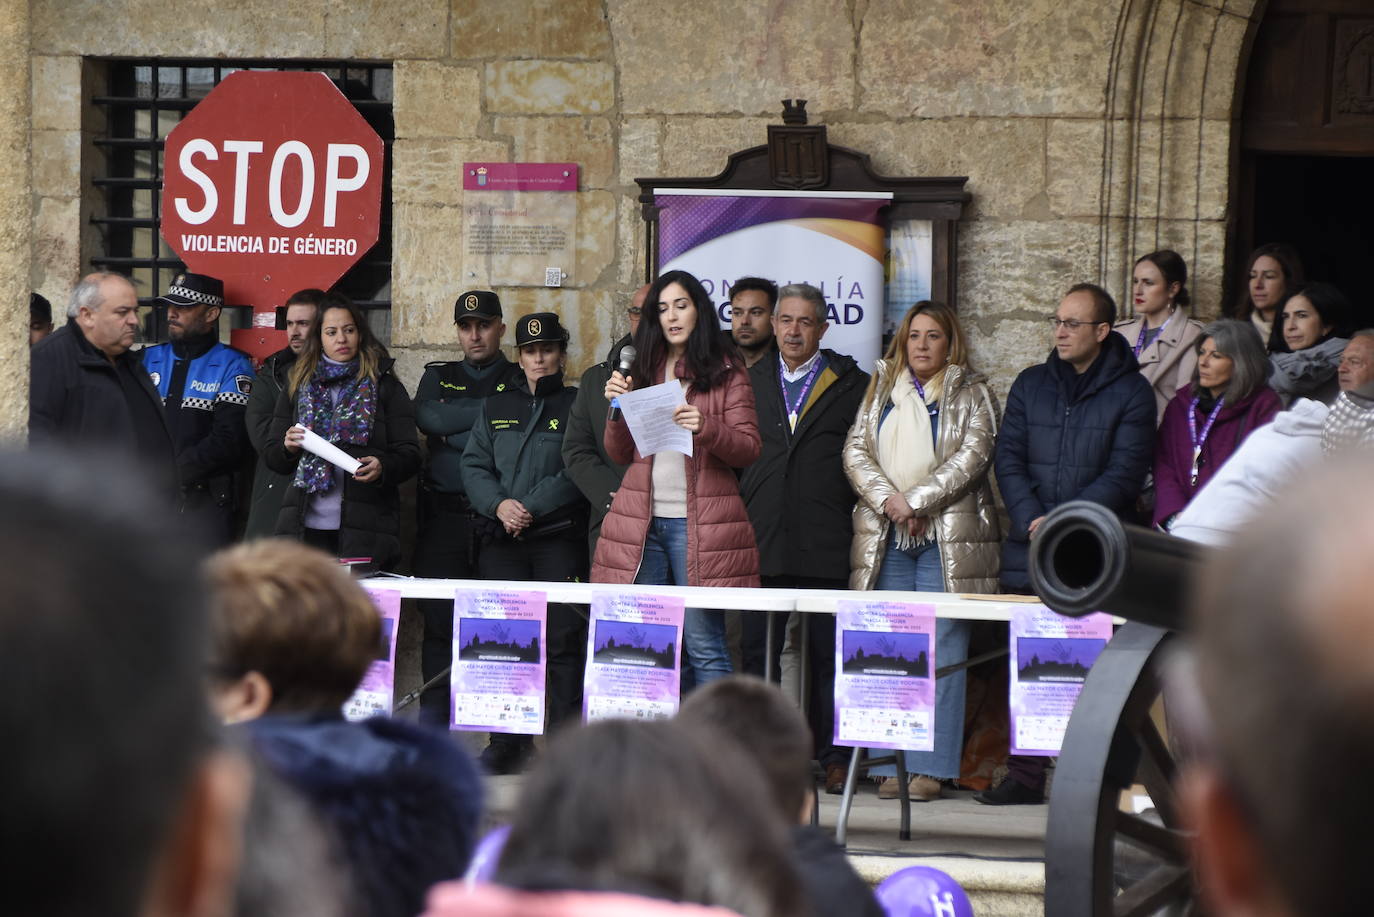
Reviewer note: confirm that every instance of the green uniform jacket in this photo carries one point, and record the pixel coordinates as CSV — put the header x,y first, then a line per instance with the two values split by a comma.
x,y
515,450
446,407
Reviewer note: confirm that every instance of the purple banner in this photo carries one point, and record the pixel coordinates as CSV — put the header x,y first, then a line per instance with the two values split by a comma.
x,y
633,657
688,221
376,692
885,675
497,683
1050,658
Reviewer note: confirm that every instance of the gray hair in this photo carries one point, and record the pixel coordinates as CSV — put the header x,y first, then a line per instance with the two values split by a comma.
x,y
1249,363
809,293
1362,333
86,295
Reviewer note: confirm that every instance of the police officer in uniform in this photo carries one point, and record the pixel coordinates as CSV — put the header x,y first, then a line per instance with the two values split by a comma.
x,y
204,386
531,517
446,406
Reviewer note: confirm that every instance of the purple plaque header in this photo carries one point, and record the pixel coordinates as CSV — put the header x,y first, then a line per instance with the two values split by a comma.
x,y
519,176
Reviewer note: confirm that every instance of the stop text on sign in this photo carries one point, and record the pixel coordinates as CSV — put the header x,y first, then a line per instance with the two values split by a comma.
x,y
292,174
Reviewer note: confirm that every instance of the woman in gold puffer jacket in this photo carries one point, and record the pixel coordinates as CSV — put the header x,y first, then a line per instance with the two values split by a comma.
x,y
918,456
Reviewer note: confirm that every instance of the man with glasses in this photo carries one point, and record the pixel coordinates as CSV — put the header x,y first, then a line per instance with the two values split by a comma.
x,y
1080,426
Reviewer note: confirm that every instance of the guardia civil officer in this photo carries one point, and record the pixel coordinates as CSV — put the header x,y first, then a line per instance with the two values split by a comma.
x,y
530,516
446,406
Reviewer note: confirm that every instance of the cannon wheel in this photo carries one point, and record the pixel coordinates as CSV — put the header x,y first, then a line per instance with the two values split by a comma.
x,y
1111,743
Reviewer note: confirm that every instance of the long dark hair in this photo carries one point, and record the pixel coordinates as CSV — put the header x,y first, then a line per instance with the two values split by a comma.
x,y
709,357
1291,265
1330,304
371,353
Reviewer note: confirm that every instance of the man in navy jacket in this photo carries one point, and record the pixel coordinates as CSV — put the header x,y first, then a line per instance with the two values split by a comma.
x,y
1080,426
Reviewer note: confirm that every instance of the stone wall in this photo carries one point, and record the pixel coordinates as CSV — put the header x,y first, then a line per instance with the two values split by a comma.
x,y
14,219
1091,130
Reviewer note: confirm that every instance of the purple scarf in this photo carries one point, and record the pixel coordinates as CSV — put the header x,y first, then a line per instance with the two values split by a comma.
x,y
347,422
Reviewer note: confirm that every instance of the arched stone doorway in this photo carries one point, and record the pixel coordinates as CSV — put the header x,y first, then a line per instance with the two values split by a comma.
x,y
1172,106
1306,142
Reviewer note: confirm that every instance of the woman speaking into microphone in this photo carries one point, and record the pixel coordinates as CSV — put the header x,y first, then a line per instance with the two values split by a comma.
x,y
678,519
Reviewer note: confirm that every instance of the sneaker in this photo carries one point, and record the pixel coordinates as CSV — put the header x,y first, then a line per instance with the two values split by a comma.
x,y
920,789
835,776
1010,793
502,758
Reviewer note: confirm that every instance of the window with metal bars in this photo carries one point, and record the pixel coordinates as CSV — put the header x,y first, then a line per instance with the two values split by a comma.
x,y
142,101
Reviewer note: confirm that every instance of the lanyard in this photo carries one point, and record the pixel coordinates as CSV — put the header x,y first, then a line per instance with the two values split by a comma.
x,y
1140,339
793,410
1193,434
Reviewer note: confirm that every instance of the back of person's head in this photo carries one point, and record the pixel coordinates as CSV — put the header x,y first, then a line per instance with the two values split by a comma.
x,y
101,705
767,726
291,867
660,809
1285,663
40,309
292,615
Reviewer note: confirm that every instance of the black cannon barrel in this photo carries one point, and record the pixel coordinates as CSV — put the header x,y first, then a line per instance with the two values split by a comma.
x,y
1084,559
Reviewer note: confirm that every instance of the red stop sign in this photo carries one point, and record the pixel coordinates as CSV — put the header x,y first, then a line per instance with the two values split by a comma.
x,y
272,183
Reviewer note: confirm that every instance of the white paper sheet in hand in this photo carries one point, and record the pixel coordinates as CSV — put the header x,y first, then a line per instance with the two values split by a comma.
x,y
331,453
649,413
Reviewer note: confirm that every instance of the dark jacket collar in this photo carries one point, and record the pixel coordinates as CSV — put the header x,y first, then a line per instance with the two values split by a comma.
x,y
1114,360
547,385
191,348
87,353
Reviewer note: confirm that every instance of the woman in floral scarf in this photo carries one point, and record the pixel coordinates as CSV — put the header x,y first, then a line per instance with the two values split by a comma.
x,y
342,389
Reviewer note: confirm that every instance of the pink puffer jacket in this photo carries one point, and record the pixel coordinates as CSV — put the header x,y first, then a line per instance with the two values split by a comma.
x,y
720,539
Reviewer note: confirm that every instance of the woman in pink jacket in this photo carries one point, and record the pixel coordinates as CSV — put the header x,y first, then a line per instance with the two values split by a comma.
x,y
676,519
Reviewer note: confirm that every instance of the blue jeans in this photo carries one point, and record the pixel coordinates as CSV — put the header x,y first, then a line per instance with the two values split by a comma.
x,y
706,656
925,573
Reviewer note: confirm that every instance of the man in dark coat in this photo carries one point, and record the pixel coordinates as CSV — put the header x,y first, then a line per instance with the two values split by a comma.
x,y
447,403
1080,426
86,388
584,449
798,496
269,487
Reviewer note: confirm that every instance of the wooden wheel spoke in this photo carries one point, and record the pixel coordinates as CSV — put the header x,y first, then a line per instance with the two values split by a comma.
x,y
1158,840
1166,884
1157,770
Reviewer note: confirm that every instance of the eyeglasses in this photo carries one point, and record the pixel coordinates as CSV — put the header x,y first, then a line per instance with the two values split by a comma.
x,y
1072,324
635,310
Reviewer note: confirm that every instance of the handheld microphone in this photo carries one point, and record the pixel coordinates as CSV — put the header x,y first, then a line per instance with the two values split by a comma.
x,y
627,359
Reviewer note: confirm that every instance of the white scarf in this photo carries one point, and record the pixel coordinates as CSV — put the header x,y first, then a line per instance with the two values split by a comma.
x,y
906,448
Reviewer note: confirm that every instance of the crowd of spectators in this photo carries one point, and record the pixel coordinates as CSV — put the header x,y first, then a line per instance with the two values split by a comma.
x,y
807,471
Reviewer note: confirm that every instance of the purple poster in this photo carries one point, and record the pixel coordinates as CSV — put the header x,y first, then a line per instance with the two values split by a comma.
x,y
498,661
377,689
632,657
1050,657
885,675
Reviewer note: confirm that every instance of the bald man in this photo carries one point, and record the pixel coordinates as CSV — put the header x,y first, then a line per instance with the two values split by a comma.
x,y
1351,421
88,389
1284,625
